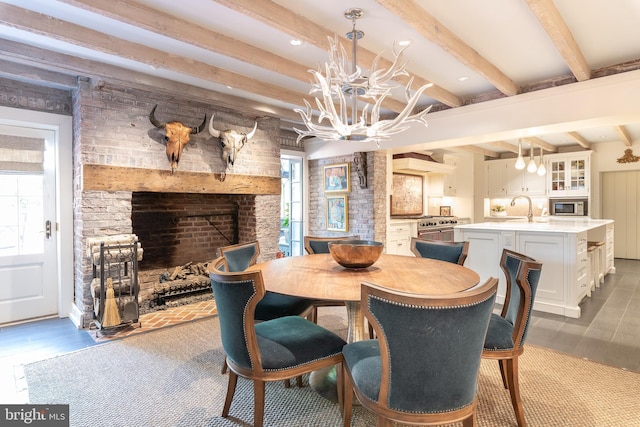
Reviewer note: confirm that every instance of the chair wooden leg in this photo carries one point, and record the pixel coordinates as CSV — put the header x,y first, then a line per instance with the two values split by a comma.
x,y
287,383
231,389
514,390
299,382
384,422
258,403
503,372
224,367
313,315
347,397
471,421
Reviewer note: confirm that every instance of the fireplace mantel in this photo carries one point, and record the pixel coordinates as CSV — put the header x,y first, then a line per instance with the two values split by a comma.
x,y
117,178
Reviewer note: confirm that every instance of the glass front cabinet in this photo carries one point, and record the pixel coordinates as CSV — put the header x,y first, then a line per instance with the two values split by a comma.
x,y
569,174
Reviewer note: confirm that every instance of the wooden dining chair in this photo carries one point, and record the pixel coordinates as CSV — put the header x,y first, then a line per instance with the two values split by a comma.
x,y
272,350
320,245
423,367
508,330
273,305
455,252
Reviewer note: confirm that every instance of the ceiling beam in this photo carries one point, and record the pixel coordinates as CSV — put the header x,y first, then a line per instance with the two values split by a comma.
x,y
479,150
37,23
505,146
39,76
579,139
540,143
560,34
434,31
58,62
301,28
161,23
624,136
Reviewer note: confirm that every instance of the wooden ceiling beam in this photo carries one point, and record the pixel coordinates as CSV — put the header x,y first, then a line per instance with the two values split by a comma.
x,y
540,143
301,28
480,150
505,146
624,135
433,30
560,34
37,23
579,139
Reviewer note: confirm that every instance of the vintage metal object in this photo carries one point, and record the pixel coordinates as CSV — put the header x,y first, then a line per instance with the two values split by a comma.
x,y
355,253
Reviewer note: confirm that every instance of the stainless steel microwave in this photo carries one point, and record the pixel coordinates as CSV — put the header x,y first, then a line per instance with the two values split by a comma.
x,y
576,207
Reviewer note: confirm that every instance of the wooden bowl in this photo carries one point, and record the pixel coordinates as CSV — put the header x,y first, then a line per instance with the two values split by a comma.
x,y
355,253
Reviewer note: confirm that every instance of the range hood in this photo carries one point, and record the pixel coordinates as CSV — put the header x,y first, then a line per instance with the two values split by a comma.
x,y
419,164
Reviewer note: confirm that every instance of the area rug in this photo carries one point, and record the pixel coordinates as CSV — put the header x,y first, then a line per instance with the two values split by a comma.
x,y
171,377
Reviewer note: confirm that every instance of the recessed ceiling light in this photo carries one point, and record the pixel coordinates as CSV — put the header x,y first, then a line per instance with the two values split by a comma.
x,y
463,78
404,42
295,42
229,87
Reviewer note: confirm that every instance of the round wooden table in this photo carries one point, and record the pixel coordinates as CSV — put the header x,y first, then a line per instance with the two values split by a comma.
x,y
320,277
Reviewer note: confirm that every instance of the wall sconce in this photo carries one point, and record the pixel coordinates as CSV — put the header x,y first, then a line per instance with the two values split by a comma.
x,y
541,169
520,161
531,167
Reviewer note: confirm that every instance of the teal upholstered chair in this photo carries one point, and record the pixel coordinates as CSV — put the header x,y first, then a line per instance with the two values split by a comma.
x,y
320,245
272,350
423,367
508,331
454,252
239,257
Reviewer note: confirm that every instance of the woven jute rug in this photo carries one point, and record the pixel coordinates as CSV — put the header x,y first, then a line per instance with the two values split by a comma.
x,y
171,377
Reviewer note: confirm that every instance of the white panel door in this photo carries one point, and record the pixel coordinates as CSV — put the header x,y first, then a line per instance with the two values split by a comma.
x,y
28,249
621,202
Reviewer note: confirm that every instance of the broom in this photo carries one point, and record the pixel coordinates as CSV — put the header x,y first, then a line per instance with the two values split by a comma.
x,y
111,313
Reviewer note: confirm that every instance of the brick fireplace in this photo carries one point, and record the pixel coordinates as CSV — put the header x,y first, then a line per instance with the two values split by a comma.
x,y
123,183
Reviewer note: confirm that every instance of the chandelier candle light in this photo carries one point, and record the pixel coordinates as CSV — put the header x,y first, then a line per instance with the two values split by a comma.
x,y
336,82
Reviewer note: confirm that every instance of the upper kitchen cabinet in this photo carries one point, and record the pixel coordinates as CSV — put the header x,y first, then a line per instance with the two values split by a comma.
x,y
520,181
444,184
496,178
569,174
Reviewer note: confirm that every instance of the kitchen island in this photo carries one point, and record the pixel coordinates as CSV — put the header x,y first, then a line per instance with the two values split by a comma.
x,y
561,246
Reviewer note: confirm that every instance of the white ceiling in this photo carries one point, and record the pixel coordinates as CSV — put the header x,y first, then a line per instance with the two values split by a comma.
x,y
495,43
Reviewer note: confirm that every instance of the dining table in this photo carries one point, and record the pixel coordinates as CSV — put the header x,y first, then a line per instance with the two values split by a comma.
x,y
320,277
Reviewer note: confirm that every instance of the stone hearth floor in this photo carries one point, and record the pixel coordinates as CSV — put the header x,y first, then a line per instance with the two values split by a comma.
x,y
158,319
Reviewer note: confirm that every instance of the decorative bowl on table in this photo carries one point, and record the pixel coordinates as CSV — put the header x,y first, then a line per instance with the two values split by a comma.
x,y
355,253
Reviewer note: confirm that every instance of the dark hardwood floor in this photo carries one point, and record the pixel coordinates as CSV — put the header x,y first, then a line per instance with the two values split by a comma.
x,y
608,330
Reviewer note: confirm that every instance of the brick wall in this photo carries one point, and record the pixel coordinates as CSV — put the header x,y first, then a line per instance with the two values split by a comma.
x,y
16,94
366,206
111,127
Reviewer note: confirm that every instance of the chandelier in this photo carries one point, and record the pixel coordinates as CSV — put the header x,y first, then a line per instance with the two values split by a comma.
x,y
338,82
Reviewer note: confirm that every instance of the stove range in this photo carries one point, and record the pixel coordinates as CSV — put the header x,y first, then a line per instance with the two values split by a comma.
x,y
433,222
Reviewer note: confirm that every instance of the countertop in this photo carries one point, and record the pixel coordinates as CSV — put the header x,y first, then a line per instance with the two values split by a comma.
x,y
552,225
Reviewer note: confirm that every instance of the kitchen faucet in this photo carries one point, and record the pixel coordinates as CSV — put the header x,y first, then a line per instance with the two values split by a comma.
x,y
530,213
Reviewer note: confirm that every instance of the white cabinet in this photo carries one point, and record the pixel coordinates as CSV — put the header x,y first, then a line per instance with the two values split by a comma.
x,y
609,267
496,178
503,179
569,174
399,237
523,182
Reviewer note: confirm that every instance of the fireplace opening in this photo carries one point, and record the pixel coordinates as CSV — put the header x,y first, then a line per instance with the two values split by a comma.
x,y
180,234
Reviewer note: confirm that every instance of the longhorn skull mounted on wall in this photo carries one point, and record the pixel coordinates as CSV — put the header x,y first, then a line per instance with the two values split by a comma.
x,y
231,141
176,135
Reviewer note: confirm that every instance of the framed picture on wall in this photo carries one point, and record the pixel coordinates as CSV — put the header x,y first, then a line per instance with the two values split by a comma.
x,y
337,213
336,178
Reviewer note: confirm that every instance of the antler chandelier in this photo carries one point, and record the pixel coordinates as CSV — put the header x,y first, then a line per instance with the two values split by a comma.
x,y
337,83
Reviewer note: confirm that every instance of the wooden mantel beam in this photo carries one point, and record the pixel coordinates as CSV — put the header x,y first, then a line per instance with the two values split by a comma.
x,y
118,178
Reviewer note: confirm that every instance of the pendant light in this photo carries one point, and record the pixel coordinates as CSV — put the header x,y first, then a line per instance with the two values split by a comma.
x,y
520,161
541,169
531,167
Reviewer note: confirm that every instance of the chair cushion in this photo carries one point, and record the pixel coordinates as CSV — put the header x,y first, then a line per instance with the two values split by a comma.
x,y
499,334
275,305
363,360
292,341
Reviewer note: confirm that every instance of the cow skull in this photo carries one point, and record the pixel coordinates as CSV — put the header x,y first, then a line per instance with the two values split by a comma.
x,y
231,141
176,135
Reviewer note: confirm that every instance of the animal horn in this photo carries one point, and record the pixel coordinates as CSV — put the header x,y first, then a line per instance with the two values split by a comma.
x,y
214,133
153,120
201,127
250,134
